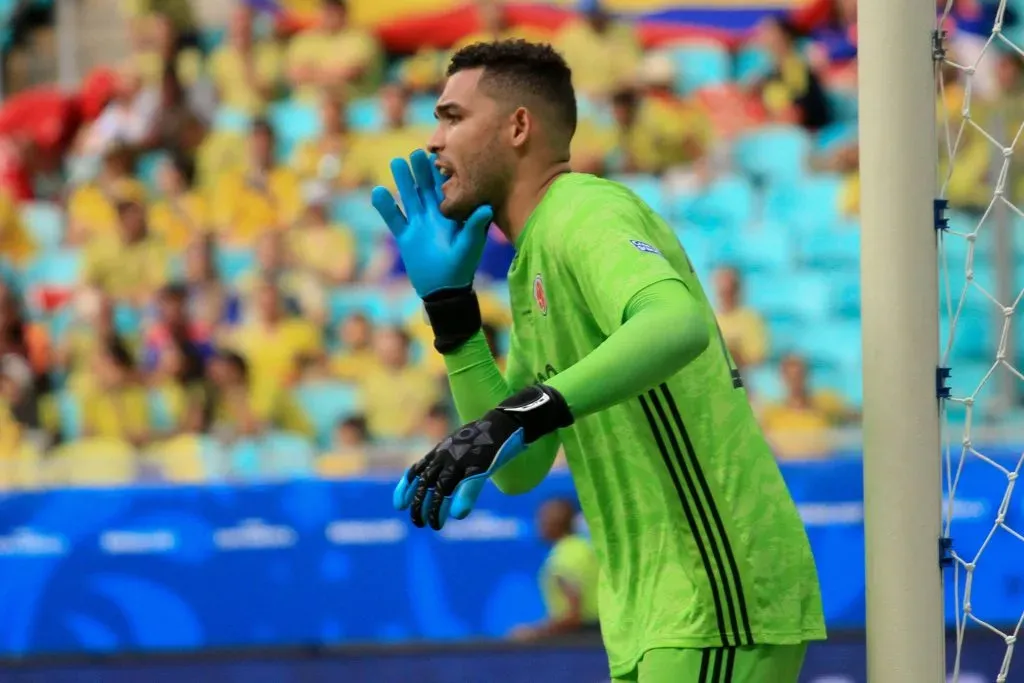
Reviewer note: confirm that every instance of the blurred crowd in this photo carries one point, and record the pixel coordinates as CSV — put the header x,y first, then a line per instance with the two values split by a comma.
x,y
199,287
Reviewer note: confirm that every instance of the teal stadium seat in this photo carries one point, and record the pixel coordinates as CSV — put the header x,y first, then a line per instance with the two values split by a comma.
x,y
160,418
232,263
835,136
765,248
245,460
847,381
325,403
127,320
843,104
57,268
978,328
147,168
364,115
69,412
833,344
966,380
774,154
700,247
789,295
45,223
764,382
229,120
354,210
421,111
646,187
727,203
751,63
293,122
699,65
838,249
785,334
368,301
845,286
810,204
286,456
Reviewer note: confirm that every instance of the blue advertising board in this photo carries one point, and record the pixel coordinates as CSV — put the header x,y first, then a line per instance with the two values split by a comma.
x,y
321,563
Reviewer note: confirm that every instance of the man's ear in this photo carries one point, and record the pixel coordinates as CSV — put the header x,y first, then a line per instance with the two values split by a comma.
x,y
521,124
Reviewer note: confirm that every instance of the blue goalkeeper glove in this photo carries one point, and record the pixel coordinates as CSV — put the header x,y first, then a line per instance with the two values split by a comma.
x,y
447,482
439,253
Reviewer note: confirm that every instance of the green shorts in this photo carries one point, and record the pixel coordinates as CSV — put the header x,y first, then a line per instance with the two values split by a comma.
x,y
758,664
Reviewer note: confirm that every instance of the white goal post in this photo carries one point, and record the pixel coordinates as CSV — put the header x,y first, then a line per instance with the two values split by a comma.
x,y
899,308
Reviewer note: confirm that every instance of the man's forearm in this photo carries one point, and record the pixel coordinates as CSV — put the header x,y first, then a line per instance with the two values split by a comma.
x,y
664,330
478,386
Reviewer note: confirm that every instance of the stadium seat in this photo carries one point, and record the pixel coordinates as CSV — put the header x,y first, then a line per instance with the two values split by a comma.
x,y
978,328
286,456
764,382
92,462
751,63
839,249
727,203
364,115
58,268
293,122
773,154
127,320
699,65
354,210
765,248
326,403
45,223
69,414
179,459
368,301
784,335
810,204
791,295
835,136
968,379
647,187
843,104
845,286
160,418
229,120
421,110
700,247
233,263
845,380
834,343
147,168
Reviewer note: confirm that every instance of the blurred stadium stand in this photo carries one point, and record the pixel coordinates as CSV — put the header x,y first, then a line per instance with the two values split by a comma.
x,y
198,300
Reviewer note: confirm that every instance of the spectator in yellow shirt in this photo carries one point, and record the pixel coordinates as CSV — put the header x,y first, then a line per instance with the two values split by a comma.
x,y
238,410
368,162
792,92
799,426
272,344
323,158
92,206
91,329
262,198
133,266
246,73
117,408
742,327
15,243
303,292
179,214
15,379
349,453
335,58
321,248
355,359
603,53
396,394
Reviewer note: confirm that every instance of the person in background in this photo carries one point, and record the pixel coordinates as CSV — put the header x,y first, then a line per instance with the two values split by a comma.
x,y
91,329
117,407
178,395
16,244
272,343
175,330
176,125
301,289
15,382
92,206
743,328
127,119
210,303
246,73
568,578
334,58
792,91
603,53
349,453
180,213
397,395
799,425
355,358
369,159
322,159
131,268
325,250
261,198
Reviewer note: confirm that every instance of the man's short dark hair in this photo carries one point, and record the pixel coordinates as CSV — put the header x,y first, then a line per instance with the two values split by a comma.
x,y
519,68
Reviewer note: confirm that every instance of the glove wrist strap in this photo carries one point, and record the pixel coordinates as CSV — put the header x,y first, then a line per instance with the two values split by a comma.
x,y
540,409
454,316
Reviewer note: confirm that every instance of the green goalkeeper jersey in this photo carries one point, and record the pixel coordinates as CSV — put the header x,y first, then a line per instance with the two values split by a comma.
x,y
699,542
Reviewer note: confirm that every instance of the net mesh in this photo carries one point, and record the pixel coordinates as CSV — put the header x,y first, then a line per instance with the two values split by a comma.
x,y
981,122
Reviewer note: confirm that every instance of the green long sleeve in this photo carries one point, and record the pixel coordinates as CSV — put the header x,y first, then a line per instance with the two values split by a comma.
x,y
664,329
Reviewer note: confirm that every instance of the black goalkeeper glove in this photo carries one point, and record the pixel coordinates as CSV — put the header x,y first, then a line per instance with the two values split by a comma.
x,y
449,479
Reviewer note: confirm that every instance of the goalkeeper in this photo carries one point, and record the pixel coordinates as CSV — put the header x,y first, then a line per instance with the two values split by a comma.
x,y
706,572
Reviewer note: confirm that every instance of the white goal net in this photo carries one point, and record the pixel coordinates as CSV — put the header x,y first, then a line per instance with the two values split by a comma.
x,y
979,53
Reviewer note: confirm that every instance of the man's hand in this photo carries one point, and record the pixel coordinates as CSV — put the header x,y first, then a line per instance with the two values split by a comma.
x,y
439,253
448,481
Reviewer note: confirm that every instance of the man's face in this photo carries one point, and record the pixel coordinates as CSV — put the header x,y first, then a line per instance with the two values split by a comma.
x,y
133,223
262,147
172,309
333,18
395,102
473,146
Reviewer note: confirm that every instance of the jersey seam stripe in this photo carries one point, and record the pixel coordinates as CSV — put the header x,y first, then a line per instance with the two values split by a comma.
x,y
730,662
713,508
702,511
684,503
705,661
717,668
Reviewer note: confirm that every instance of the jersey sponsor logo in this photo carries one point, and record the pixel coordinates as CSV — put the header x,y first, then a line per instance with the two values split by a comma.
x,y
540,295
643,246
547,373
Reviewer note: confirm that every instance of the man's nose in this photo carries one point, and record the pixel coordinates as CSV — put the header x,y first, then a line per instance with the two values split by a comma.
x,y
436,142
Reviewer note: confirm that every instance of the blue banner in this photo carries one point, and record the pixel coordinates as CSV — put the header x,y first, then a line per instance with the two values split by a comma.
x,y
314,562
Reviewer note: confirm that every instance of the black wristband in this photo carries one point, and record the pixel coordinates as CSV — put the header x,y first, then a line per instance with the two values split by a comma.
x,y
539,409
454,315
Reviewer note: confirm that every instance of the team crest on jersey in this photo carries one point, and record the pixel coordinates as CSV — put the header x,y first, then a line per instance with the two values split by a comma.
x,y
643,246
540,295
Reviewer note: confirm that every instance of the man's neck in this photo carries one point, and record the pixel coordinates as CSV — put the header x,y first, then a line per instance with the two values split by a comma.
x,y
524,198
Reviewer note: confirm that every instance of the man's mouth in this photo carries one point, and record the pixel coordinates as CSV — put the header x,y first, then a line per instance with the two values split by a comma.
x,y
446,172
